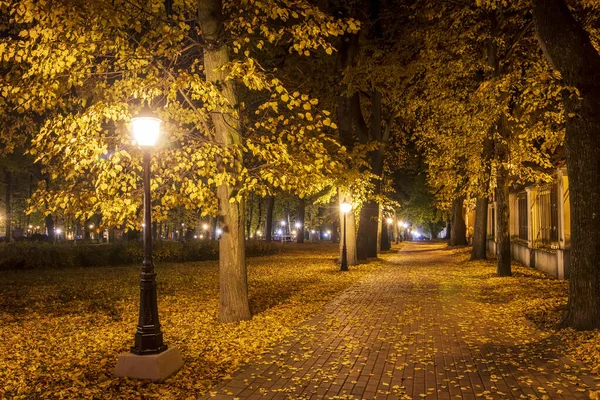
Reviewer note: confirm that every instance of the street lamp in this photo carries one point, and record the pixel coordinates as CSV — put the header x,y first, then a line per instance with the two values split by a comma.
x,y
149,358
345,208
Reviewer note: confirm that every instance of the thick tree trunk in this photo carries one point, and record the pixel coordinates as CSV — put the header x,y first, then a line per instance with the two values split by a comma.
x,y
502,202
502,232
334,230
458,235
269,218
50,227
233,281
568,47
385,237
7,201
366,246
301,211
349,229
479,250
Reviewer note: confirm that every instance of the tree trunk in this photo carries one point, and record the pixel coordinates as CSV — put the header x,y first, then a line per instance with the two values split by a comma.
x,y
568,47
479,250
349,229
50,227
269,218
458,235
448,231
379,227
366,245
259,216
385,236
8,196
502,201
301,211
233,280
334,230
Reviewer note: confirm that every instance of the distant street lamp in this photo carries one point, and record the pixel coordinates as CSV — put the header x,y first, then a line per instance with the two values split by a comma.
x,y
345,208
149,358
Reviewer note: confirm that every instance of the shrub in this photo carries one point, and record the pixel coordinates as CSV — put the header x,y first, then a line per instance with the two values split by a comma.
x,y
33,255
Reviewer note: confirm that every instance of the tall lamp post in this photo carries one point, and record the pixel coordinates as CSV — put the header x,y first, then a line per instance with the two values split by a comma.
x,y
345,208
149,358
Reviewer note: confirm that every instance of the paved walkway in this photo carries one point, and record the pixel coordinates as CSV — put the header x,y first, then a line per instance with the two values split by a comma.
x,y
421,328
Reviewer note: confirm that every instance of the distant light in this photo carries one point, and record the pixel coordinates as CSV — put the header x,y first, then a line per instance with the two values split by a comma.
x,y
195,236
279,232
251,236
400,224
313,231
91,226
390,220
30,226
345,207
58,231
298,225
201,236
329,232
258,233
219,231
326,234
182,224
205,226
293,232
282,223
143,225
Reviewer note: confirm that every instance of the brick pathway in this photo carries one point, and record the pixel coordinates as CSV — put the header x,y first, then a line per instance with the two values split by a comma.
x,y
417,329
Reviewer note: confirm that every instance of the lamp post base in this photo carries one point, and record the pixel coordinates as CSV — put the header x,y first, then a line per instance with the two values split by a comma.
x,y
155,367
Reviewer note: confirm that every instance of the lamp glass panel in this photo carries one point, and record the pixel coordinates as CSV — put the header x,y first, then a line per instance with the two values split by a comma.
x,y
146,130
345,207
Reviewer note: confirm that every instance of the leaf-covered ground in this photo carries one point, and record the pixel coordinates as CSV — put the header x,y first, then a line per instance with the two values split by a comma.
x,y
62,331
430,324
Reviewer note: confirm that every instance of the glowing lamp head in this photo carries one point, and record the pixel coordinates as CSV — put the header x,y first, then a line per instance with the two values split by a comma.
x,y
146,128
345,207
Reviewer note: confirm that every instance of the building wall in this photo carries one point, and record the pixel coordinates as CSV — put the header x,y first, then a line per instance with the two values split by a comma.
x,y
551,257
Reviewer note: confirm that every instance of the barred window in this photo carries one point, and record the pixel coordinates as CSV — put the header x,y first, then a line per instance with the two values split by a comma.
x,y
523,224
547,234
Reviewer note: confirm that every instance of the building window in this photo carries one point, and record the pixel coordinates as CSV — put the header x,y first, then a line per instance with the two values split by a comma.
x,y
547,234
523,220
